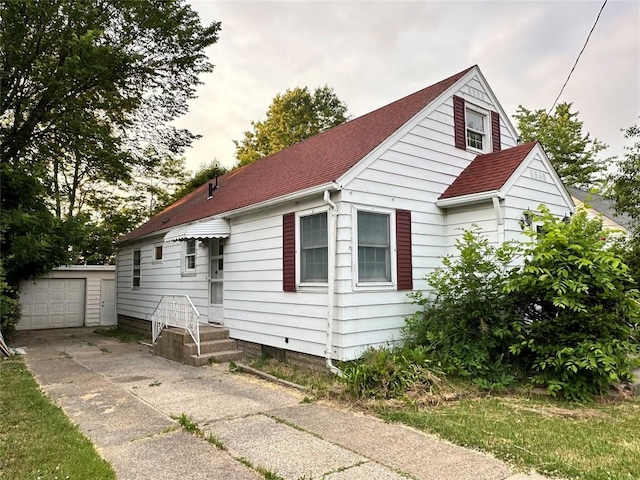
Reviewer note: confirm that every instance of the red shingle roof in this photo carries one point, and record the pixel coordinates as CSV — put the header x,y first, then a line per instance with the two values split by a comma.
x,y
488,172
318,160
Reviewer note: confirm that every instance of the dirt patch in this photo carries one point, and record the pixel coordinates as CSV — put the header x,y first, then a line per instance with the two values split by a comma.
x,y
578,414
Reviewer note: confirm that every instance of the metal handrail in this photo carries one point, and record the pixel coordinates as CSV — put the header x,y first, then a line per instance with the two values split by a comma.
x,y
176,311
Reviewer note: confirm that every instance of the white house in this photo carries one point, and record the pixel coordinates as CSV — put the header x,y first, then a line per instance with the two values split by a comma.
x,y
314,249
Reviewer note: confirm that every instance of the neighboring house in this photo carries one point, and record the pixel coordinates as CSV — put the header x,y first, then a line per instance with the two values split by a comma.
x,y
73,296
597,206
321,242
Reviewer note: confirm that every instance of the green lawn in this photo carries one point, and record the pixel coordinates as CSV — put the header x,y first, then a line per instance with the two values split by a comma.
x,y
591,442
37,440
596,441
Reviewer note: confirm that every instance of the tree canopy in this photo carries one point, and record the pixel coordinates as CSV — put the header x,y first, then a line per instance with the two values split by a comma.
x,y
625,181
88,91
573,154
292,117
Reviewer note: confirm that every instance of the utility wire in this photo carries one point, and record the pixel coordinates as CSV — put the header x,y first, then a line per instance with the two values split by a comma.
x,y
574,65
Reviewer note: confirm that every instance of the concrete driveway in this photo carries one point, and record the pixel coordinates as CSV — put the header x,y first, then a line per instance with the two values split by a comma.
x,y
127,401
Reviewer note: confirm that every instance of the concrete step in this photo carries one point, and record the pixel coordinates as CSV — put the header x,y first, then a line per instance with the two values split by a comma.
x,y
210,346
216,357
210,332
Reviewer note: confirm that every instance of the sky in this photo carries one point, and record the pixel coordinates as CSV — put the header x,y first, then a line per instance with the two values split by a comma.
x,y
375,52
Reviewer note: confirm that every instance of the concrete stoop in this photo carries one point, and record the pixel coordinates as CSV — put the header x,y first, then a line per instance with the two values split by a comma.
x,y
215,346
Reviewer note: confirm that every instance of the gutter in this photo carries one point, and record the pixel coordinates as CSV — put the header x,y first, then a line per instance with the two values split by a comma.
x,y
331,279
470,198
284,198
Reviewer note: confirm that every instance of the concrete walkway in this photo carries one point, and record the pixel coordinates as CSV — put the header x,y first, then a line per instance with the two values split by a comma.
x,y
127,401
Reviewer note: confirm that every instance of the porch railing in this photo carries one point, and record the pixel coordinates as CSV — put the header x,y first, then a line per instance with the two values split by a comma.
x,y
176,311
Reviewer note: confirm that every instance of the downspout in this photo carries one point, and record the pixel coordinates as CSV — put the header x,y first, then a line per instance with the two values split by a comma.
x,y
499,220
331,280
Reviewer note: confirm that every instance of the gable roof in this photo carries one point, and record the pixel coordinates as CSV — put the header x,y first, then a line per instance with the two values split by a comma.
x,y
316,161
601,205
488,172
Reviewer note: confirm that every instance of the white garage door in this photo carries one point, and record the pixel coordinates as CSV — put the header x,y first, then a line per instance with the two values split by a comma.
x,y
52,303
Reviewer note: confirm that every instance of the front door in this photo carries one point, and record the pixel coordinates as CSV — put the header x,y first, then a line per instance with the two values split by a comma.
x,y
216,266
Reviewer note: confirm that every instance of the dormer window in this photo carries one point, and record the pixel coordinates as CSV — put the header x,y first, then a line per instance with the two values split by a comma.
x,y
475,128
476,124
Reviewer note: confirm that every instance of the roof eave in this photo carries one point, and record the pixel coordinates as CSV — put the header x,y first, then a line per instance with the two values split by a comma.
x,y
333,186
469,198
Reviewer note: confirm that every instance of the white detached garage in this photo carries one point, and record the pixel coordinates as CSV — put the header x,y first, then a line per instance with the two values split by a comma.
x,y
74,296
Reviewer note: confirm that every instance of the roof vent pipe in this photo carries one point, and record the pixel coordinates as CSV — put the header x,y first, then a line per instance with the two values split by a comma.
x,y
331,279
213,188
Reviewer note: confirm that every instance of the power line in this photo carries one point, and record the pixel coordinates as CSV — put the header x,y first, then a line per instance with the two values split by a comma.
x,y
574,65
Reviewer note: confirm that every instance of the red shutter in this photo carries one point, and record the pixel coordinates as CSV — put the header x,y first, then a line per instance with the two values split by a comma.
x,y
289,252
495,131
458,123
403,247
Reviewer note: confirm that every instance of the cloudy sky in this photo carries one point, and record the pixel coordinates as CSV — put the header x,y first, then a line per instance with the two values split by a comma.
x,y
375,52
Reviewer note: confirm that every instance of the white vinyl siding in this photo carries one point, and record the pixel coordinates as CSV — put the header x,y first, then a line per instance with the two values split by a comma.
x,y
533,187
161,278
256,307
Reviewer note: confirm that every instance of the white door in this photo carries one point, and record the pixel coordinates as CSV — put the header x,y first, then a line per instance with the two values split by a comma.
x,y
216,269
107,302
52,303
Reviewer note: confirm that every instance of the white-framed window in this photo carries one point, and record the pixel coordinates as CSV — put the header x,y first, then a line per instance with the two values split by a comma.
x,y
158,251
375,245
313,258
477,127
189,256
136,273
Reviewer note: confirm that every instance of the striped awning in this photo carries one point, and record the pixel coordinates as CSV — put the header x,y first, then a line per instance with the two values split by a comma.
x,y
216,228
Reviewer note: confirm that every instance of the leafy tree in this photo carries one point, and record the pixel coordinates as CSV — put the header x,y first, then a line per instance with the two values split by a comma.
x,y
579,310
573,154
625,182
87,88
292,117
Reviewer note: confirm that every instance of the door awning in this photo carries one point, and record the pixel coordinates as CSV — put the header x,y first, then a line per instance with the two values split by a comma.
x,y
216,228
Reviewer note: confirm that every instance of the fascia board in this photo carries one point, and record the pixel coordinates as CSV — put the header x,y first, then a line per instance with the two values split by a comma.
x,y
283,199
470,198
374,154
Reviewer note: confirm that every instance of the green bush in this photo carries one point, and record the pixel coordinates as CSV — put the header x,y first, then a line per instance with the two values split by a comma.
x,y
578,309
390,373
466,321
9,304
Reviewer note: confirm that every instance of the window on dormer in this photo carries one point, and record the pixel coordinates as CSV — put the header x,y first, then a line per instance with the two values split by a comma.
x,y
476,129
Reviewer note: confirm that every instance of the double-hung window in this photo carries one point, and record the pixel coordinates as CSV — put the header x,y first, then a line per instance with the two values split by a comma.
x,y
136,268
374,247
314,253
476,129
190,256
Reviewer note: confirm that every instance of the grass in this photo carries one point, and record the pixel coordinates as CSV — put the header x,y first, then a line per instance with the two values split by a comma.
x,y
590,442
122,335
37,440
595,441
319,384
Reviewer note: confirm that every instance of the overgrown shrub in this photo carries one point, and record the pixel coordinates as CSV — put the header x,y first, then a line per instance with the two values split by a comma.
x,y
390,373
9,304
466,320
578,307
